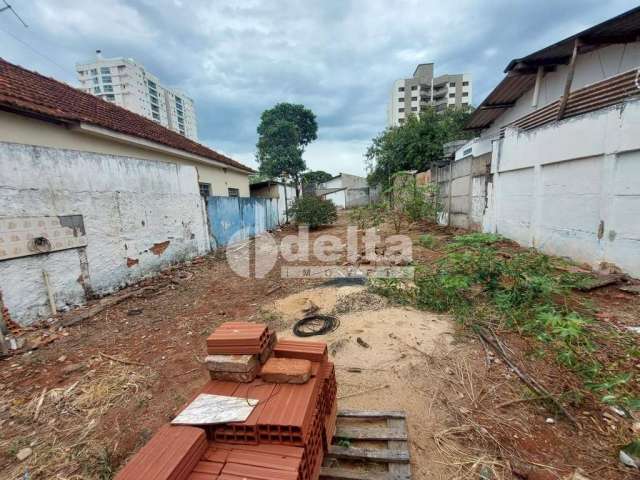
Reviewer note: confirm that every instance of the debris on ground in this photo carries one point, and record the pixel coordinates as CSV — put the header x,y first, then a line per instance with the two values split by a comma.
x,y
359,301
630,454
468,409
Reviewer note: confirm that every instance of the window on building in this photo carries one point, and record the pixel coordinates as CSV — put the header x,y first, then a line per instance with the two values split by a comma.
x,y
452,84
401,110
95,80
106,79
464,104
156,116
414,109
401,121
401,99
121,68
108,88
401,89
94,71
234,192
452,95
465,94
205,189
105,70
414,99
465,84
111,97
96,89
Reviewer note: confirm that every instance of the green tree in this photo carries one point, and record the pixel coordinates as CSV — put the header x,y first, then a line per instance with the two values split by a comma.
x,y
416,144
283,133
315,177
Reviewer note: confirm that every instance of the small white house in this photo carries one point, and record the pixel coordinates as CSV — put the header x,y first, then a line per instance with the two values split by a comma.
x,y
283,194
94,197
563,130
345,191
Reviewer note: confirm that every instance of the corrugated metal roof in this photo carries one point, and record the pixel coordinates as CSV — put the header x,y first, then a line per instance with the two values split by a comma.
x,y
621,29
521,71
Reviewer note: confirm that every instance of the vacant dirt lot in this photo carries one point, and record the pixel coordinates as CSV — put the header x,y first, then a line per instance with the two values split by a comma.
x,y
87,400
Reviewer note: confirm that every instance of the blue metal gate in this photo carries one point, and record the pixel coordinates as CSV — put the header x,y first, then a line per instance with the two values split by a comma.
x,y
233,219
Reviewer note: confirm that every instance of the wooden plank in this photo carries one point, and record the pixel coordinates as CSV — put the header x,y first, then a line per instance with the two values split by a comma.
x,y
569,80
370,433
347,474
373,454
399,471
371,414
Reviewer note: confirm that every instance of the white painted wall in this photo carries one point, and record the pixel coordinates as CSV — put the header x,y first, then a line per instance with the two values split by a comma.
x,y
339,198
554,186
283,204
128,205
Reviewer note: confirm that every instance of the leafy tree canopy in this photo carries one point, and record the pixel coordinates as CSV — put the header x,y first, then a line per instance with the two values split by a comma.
x,y
416,144
315,177
283,133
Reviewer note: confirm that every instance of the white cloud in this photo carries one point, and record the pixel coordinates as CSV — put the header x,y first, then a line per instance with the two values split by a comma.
x,y
338,58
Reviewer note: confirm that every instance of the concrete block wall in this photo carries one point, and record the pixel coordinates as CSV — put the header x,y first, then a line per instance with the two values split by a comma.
x,y
139,215
572,188
462,191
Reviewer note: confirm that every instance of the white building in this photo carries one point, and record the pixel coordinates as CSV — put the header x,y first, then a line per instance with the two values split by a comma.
x,y
562,133
412,95
126,83
95,196
346,191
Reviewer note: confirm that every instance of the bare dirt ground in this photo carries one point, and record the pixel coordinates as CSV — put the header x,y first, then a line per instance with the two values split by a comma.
x,y
90,398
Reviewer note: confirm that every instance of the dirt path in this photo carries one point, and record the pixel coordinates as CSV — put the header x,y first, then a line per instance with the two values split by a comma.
x,y
81,413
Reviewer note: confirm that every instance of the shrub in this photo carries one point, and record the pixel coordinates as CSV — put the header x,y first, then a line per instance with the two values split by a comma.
x,y
427,241
367,217
313,211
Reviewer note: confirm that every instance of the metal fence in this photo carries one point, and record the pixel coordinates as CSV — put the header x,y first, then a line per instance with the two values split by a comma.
x,y
233,219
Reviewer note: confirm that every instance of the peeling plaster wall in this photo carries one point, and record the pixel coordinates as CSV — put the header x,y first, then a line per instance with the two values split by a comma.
x,y
19,129
572,188
139,215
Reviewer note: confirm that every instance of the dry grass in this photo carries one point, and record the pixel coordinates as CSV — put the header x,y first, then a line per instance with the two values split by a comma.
x,y
466,462
61,425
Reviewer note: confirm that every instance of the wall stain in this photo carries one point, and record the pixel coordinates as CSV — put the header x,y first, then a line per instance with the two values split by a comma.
x,y
132,261
159,248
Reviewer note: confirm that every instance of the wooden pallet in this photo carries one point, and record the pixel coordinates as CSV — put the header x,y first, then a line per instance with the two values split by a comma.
x,y
385,436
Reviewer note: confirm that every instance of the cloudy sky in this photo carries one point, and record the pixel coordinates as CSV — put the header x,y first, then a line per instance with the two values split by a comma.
x,y
337,57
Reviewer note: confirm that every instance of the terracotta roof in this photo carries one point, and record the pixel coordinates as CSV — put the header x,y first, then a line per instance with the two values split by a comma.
x,y
24,91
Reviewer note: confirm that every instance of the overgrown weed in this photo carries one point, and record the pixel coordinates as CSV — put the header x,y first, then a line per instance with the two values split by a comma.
x,y
523,291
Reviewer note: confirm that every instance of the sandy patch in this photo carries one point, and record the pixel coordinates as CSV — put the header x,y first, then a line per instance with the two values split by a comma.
x,y
401,368
291,308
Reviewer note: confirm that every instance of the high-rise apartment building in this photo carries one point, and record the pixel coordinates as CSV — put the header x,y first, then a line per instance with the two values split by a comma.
x,y
126,83
411,95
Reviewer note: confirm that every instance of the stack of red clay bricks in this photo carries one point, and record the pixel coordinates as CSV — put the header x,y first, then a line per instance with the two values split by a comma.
x,y
285,436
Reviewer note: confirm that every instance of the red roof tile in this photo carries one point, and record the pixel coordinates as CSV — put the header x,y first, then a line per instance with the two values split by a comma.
x,y
24,91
